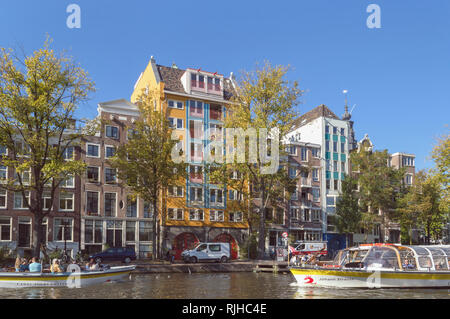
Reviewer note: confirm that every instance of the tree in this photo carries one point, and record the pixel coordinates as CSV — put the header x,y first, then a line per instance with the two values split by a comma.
x,y
264,102
421,206
441,157
38,98
145,163
379,185
348,215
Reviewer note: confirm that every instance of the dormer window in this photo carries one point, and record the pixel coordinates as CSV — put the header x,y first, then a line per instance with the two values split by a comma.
x,y
205,83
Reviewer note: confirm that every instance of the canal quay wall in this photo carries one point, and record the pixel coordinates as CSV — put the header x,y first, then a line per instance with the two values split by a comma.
x,y
235,266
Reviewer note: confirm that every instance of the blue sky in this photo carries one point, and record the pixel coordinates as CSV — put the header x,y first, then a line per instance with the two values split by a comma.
x,y
398,76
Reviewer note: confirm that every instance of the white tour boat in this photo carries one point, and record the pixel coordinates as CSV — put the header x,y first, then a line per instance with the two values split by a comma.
x,y
75,279
380,266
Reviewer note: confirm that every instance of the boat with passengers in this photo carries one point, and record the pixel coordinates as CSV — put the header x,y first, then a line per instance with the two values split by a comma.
x,y
74,277
380,266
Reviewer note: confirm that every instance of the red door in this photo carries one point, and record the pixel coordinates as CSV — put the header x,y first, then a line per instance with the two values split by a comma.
x,y
227,238
182,242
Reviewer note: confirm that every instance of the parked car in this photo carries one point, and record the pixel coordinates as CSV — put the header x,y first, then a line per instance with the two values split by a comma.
x,y
208,251
306,248
125,254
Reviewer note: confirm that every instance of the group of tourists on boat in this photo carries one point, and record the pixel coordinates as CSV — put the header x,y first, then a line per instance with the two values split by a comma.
x,y
33,266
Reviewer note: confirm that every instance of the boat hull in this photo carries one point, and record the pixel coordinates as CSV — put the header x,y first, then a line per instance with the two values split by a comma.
x,y
70,280
370,279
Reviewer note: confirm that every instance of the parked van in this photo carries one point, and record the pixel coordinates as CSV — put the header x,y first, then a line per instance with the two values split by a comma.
x,y
306,248
208,251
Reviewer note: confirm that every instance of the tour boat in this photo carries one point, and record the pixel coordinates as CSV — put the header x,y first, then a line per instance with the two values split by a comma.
x,y
380,266
75,279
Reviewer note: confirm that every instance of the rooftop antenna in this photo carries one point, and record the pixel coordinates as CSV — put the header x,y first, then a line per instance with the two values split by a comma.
x,y
352,108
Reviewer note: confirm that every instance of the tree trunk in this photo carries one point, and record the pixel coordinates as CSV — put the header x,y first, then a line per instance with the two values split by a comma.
x,y
262,233
37,234
155,230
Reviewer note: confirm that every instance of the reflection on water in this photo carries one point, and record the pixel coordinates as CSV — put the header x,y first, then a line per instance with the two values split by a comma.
x,y
215,286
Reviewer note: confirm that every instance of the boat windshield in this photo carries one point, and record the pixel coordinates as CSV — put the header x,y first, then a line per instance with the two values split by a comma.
x,y
382,257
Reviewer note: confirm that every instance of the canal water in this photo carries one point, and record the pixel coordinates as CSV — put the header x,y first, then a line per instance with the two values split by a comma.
x,y
213,286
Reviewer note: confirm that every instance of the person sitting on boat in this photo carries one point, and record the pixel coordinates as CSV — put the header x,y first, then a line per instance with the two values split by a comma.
x,y
35,266
24,265
55,267
91,265
18,263
407,264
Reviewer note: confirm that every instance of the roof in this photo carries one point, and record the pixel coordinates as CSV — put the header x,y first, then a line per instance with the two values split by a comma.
x,y
320,111
172,81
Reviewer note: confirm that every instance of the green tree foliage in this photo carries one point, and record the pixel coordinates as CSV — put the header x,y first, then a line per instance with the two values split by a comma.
x,y
348,216
441,157
38,98
421,206
379,186
264,99
145,163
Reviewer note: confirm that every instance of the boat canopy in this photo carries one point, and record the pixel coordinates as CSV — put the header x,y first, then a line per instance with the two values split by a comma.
x,y
395,257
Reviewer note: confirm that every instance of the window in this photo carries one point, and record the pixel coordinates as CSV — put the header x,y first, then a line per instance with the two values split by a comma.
x,y
235,217
328,184
3,197
336,184
110,175
196,151
92,150
130,231
335,148
195,214
3,173
316,194
93,174
22,149
334,130
315,152
304,154
327,129
291,150
306,215
131,206
110,204
235,195
131,133
3,150
112,131
176,123
335,166
292,172
24,177
216,216
214,247
327,146
92,203
343,167
195,108
5,228
18,200
216,196
316,215
66,201
176,104
196,194
342,131
46,200
110,151
175,213
315,174
236,175
68,153
408,161
408,179
68,182
342,147
63,229
294,212
148,210
176,191
93,231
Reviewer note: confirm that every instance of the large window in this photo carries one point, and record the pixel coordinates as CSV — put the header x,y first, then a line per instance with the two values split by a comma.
x,y
66,201
114,233
176,191
216,216
175,104
195,108
92,203
145,231
131,206
46,200
196,194
175,213
110,204
315,152
93,174
93,231
18,200
112,131
148,210
110,151
216,196
3,173
196,214
235,217
3,198
68,153
303,154
315,174
5,228
63,229
130,233
110,175
92,150
176,123
68,182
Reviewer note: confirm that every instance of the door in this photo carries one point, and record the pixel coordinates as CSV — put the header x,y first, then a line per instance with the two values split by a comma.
x,y
25,235
201,252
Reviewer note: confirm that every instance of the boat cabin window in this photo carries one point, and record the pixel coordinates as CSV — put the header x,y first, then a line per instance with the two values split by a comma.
x,y
381,257
408,259
425,262
439,258
359,255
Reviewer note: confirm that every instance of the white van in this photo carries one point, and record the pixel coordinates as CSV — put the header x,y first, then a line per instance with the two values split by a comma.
x,y
208,251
